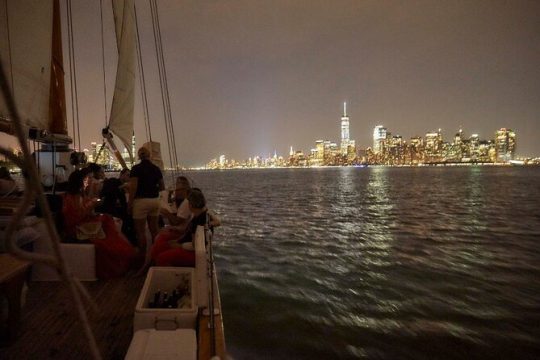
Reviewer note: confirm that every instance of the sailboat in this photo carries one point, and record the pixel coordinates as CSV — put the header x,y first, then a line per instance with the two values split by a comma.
x,y
31,51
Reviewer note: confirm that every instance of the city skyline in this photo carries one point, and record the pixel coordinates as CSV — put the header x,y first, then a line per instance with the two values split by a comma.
x,y
382,136
391,149
254,77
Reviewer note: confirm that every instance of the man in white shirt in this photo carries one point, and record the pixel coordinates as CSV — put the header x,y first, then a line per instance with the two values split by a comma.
x,y
181,218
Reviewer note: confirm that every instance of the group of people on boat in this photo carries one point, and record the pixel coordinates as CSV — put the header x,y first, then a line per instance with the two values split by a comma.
x,y
94,206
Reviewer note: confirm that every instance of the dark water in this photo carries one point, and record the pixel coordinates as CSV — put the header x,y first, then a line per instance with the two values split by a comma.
x,y
379,263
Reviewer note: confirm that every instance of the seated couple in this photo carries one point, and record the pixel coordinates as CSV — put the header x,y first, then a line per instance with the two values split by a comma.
x,y
173,246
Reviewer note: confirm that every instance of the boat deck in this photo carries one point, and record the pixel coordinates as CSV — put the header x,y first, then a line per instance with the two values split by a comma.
x,y
50,327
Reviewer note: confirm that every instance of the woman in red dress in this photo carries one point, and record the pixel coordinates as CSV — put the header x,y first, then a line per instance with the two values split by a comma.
x,y
114,254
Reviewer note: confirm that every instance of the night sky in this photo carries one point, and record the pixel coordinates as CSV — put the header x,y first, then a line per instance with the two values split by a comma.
x,y
250,77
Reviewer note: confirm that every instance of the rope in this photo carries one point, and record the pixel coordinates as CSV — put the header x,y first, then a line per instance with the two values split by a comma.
x,y
167,98
9,46
103,60
142,82
164,88
160,70
73,76
103,144
33,186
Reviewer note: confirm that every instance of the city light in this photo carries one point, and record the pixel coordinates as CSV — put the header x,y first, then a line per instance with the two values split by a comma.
x,y
392,150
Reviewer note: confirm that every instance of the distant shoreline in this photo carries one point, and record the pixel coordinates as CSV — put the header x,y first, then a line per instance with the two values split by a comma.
x,y
366,166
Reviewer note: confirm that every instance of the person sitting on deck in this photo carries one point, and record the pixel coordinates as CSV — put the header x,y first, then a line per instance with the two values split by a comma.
x,y
178,220
96,175
114,202
179,251
114,254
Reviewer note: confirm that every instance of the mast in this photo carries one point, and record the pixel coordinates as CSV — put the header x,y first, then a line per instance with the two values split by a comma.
x,y
57,99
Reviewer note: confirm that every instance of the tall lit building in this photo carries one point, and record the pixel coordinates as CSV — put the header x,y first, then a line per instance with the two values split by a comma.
x,y
347,145
344,130
505,145
434,145
379,136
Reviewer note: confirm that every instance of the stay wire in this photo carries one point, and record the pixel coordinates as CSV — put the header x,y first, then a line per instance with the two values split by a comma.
x,y
153,10
68,2
73,76
142,82
167,97
103,61
10,54
164,89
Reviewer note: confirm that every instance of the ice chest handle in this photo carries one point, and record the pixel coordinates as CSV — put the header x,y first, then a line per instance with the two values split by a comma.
x,y
150,344
165,323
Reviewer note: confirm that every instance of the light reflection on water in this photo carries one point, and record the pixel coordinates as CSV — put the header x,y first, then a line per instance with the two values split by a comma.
x,y
387,263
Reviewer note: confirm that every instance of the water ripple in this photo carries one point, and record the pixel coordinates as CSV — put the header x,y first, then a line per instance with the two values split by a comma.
x,y
381,263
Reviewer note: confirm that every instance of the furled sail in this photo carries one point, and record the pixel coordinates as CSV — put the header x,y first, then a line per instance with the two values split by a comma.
x,y
121,120
26,28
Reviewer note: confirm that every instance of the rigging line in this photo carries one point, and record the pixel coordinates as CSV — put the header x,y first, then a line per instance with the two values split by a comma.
x,y
71,72
103,60
160,71
159,56
74,102
167,132
9,47
142,81
167,98
101,148
75,81
76,92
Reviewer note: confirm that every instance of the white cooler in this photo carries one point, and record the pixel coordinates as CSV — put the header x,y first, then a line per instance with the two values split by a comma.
x,y
165,279
180,344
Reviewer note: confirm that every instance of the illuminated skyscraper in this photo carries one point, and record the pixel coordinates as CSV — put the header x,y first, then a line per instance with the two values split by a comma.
x,y
505,144
347,145
379,136
344,130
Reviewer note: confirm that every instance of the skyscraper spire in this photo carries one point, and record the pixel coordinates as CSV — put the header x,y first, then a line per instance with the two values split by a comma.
x,y
345,140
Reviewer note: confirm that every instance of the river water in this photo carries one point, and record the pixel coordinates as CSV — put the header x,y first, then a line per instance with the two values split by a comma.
x,y
378,263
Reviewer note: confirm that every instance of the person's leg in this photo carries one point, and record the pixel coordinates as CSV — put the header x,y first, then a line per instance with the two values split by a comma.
x,y
153,226
161,243
176,257
139,222
153,217
140,230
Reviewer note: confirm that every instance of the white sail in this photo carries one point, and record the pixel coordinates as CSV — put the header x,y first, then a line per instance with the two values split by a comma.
x,y
25,52
121,120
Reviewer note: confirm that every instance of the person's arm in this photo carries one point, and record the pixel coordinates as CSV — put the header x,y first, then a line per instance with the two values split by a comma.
x,y
169,215
161,185
88,204
214,220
